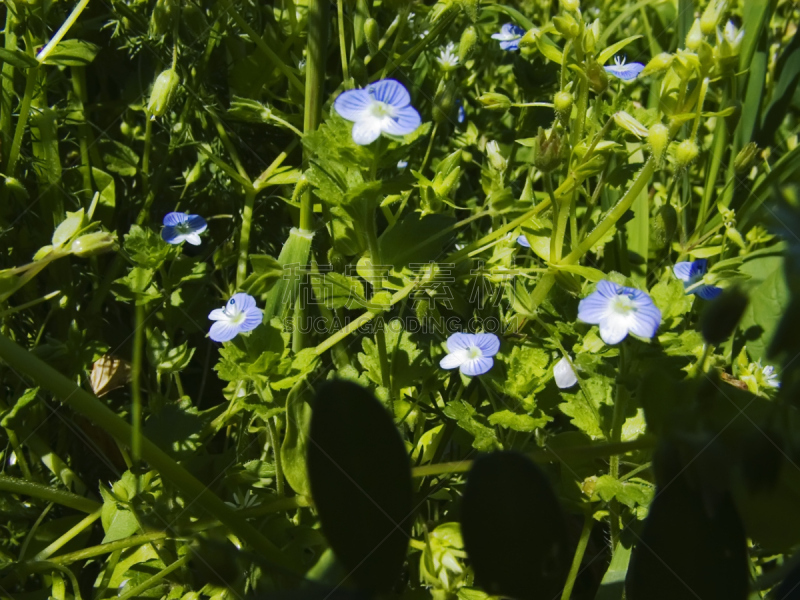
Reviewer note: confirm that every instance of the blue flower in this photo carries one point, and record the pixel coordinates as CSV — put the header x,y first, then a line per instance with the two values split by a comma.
x,y
238,315
462,114
622,71
509,36
381,107
523,241
692,272
620,310
471,352
180,227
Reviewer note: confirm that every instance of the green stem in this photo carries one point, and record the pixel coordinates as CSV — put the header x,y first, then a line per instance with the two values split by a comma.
x,y
148,143
244,235
276,453
20,486
136,382
617,421
578,558
149,582
22,121
441,25
59,543
89,406
7,85
62,31
343,44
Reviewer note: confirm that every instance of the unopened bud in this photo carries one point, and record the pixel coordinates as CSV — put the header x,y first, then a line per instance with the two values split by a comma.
x,y
658,138
695,36
629,124
744,160
163,17
372,35
711,16
444,102
336,260
494,101
163,91
590,36
92,244
563,105
598,80
468,40
567,26
720,318
496,159
663,227
546,151
685,153
660,62
571,5
529,39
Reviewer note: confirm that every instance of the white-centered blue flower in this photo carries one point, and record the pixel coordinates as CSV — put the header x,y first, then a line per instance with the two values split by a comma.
x,y
180,227
509,36
381,107
471,352
618,311
690,273
564,374
523,241
626,72
238,315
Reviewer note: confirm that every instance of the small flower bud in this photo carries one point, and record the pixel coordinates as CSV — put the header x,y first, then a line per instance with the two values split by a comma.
x,y
590,36
494,101
467,43
685,153
496,159
444,102
660,62
695,36
658,138
663,227
571,5
711,16
720,318
598,80
567,26
16,187
372,35
92,244
163,17
529,39
629,124
547,151
744,160
163,91
336,260
563,105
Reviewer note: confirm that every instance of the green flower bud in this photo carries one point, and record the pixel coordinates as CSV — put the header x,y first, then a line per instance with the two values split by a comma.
x,y
163,17
467,43
720,318
663,227
567,26
629,124
695,36
658,138
598,80
16,187
711,16
372,35
529,39
563,105
422,309
496,159
660,62
494,101
547,151
336,260
744,160
444,101
571,5
685,153
93,244
163,91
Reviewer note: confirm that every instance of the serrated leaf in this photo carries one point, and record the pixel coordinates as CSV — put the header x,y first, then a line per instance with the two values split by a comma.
x,y
515,422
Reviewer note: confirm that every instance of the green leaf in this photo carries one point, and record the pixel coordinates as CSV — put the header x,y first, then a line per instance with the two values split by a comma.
x,y
587,414
146,248
464,414
68,228
612,587
295,440
18,58
360,479
406,360
607,53
266,272
515,422
118,157
514,529
335,290
166,359
526,366
671,299
768,303
72,53
15,417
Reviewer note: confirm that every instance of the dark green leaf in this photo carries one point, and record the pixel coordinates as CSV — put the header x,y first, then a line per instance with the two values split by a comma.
x,y
18,58
295,440
72,53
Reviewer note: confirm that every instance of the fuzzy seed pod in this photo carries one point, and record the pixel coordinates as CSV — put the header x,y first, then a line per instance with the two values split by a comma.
x,y
658,138
685,153
744,160
494,101
467,43
563,105
163,91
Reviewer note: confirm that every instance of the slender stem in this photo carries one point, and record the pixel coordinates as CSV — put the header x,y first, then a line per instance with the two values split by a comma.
x,y
244,235
428,150
150,581
62,31
617,421
148,143
59,543
136,382
578,558
276,453
22,121
527,104
44,492
343,44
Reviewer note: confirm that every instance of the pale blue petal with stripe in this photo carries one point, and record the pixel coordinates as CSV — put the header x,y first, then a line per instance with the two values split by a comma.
x,y
477,366
352,104
405,121
489,343
391,92
625,72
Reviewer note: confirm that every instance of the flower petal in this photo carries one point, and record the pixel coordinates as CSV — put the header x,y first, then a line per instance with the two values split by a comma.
x,y
352,104
510,45
683,270
593,308
175,218
366,131
454,359
253,319
625,72
193,239
564,374
223,331
170,235
523,241
708,292
405,121
460,341
699,268
477,366
613,329
645,321
197,224
218,314
391,92
243,302
489,343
